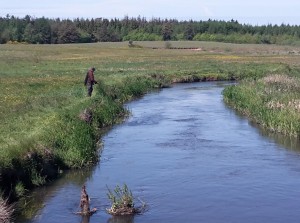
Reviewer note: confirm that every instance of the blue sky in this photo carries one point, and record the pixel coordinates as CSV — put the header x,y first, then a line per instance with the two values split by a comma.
x,y
255,12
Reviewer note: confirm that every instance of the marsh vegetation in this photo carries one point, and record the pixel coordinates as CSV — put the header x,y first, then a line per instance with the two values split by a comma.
x,y
272,101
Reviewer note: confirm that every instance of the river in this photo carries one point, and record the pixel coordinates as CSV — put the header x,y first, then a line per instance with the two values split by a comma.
x,y
191,159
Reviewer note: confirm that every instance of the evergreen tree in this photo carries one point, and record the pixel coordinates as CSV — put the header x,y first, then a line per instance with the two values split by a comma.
x,y
189,32
67,32
167,31
43,30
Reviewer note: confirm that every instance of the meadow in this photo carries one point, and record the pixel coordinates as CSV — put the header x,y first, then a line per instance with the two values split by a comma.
x,y
44,109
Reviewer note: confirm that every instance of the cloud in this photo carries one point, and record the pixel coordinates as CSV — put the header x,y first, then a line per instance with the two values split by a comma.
x,y
207,11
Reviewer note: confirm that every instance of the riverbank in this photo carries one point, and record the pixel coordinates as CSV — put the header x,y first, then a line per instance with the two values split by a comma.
x,y
272,101
47,122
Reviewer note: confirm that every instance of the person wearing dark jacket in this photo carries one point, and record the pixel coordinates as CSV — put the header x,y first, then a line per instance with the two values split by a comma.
x,y
90,81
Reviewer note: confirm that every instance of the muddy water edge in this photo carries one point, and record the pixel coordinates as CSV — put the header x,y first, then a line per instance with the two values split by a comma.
x,y
190,158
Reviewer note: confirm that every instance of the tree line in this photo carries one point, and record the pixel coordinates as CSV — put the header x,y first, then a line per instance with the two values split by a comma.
x,y
57,31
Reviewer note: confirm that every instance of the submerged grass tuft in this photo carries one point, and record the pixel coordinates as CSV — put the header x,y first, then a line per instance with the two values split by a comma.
x,y
122,201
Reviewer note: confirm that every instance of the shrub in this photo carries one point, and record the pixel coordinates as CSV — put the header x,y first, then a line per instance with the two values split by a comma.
x,y
168,45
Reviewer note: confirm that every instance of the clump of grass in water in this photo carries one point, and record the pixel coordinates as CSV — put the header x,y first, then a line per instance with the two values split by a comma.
x,y
122,201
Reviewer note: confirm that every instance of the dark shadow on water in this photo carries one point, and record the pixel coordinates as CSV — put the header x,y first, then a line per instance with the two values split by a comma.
x,y
121,219
114,219
85,219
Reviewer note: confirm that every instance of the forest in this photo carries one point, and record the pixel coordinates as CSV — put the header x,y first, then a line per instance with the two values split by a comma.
x,y
80,30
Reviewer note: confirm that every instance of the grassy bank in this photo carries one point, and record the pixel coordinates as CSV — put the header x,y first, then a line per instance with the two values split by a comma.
x,y
47,122
272,101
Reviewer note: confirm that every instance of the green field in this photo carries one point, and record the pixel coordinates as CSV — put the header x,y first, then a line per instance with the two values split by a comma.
x,y
42,94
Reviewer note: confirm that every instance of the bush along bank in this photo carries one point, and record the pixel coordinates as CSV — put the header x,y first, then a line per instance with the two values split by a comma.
x,y
272,101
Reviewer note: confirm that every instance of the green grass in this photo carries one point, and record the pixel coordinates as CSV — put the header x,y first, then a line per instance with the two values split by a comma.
x,y
272,101
42,94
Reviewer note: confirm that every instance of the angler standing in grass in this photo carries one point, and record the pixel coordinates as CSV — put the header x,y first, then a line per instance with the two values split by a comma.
x,y
90,81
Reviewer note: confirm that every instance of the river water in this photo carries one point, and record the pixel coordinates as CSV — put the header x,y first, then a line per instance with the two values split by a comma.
x,y
191,159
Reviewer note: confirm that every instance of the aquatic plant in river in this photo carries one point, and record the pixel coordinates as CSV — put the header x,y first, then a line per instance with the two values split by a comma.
x,y
122,201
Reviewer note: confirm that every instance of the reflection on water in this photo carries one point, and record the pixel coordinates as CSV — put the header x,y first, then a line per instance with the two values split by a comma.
x,y
121,219
85,219
114,219
191,159
289,142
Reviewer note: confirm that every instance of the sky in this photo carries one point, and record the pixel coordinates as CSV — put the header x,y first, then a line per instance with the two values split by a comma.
x,y
254,12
